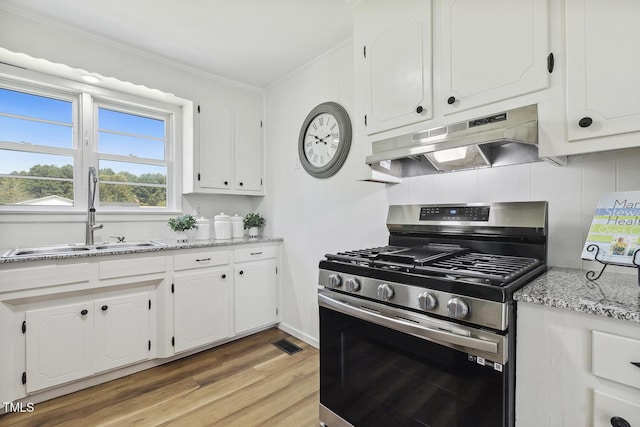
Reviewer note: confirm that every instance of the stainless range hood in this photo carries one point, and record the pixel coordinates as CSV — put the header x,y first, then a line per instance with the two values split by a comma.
x,y
505,138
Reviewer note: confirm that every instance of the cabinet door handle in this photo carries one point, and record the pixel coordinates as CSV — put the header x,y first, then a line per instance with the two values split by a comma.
x,y
241,184
636,364
84,312
224,276
255,253
226,183
585,122
241,272
203,260
105,307
451,100
619,422
419,109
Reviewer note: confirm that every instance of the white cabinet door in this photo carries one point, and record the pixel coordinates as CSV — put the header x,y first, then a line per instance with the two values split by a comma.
x,y
201,307
214,159
229,155
122,330
255,295
397,62
248,151
59,345
603,68
492,50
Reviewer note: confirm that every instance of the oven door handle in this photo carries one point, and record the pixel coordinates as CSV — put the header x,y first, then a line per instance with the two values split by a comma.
x,y
402,326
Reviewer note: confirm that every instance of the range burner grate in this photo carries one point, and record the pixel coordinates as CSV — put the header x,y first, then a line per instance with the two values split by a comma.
x,y
499,268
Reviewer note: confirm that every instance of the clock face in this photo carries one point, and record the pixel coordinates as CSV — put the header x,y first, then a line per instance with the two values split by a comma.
x,y
325,140
321,140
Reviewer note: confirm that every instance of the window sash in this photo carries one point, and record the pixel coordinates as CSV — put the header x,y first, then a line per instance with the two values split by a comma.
x,y
84,150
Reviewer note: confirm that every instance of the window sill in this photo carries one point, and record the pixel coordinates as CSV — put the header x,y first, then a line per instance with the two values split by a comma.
x,y
80,216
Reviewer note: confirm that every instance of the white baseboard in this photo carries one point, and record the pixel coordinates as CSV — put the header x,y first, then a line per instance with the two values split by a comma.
x,y
300,335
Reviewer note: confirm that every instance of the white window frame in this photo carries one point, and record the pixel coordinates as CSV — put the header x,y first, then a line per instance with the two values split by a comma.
x,y
85,99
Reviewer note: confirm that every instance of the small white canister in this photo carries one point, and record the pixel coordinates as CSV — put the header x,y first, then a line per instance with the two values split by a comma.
x,y
222,226
237,226
203,232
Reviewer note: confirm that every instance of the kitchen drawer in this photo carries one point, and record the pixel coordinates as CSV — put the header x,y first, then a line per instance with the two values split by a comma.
x,y
614,357
200,259
253,254
607,406
40,276
132,266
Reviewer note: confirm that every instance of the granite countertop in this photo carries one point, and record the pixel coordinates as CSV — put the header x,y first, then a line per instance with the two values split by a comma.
x,y
166,245
614,295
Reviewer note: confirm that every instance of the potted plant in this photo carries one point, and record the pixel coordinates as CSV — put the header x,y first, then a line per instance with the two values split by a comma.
x,y
181,224
253,221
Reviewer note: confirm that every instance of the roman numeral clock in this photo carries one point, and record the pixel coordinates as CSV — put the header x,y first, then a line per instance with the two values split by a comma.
x,y
325,140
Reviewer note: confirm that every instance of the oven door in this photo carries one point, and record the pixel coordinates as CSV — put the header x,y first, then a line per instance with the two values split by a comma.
x,y
382,366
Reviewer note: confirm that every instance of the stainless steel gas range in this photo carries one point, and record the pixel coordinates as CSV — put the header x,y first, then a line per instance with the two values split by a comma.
x,y
421,332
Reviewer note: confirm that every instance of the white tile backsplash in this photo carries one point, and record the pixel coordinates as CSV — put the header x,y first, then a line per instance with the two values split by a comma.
x,y
572,192
496,184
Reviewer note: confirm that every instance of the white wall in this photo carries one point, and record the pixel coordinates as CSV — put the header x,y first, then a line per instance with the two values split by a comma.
x,y
60,44
572,192
315,216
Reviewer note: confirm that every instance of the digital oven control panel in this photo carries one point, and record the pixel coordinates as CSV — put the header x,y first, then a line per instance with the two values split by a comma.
x,y
454,213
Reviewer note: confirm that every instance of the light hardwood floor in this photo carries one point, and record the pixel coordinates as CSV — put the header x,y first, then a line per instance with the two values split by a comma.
x,y
245,383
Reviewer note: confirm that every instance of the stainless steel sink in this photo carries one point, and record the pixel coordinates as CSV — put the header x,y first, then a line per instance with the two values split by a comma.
x,y
79,248
128,245
46,250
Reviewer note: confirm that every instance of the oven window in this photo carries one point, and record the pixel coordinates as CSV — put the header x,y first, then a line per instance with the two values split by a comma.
x,y
373,376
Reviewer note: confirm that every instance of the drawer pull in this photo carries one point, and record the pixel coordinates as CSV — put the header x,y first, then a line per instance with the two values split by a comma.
x,y
105,307
203,260
636,364
256,253
619,422
84,312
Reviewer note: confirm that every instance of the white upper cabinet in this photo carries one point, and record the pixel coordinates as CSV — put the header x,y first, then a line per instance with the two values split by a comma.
x,y
214,157
228,155
393,40
492,50
603,70
248,152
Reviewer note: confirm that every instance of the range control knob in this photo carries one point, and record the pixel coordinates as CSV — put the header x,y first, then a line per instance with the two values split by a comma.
x,y
385,292
335,281
427,301
352,284
458,308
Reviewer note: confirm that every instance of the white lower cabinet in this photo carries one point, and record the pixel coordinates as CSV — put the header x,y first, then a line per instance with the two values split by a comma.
x,y
202,307
122,330
69,342
576,369
66,322
255,295
60,345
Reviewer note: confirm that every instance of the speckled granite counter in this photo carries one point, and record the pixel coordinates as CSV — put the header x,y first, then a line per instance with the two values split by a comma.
x,y
167,245
612,295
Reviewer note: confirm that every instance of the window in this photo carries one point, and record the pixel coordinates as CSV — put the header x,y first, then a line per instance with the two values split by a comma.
x,y
132,153
36,148
50,137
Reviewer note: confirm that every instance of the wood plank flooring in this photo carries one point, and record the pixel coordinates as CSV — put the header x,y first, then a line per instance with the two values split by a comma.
x,y
245,383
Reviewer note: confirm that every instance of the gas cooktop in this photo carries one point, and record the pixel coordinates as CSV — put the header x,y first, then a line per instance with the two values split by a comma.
x,y
453,262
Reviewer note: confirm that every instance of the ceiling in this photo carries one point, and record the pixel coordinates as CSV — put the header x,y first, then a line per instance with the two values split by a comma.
x,y
256,42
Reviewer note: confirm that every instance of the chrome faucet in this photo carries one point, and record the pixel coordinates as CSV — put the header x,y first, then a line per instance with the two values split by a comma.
x,y
91,210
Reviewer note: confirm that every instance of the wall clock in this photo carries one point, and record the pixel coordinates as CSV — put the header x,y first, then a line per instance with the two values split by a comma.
x,y
325,140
